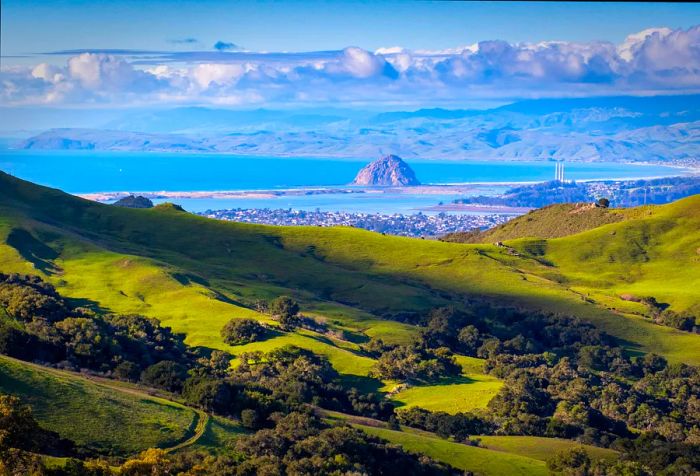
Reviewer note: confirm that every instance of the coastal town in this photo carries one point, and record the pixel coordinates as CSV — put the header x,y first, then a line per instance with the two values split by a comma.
x,y
414,225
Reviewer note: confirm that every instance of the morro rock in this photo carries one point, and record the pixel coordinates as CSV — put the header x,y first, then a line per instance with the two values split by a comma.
x,y
389,171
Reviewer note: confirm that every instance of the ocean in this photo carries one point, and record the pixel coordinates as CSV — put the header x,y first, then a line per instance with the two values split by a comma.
x,y
83,172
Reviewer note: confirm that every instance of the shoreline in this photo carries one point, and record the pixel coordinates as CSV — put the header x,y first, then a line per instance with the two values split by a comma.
x,y
475,207
425,189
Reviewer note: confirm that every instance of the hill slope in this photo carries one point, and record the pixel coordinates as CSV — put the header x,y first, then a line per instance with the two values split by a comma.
x,y
114,418
553,221
195,273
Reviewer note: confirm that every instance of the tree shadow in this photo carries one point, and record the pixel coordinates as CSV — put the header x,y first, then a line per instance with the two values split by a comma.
x,y
87,303
33,250
187,278
328,341
355,337
362,383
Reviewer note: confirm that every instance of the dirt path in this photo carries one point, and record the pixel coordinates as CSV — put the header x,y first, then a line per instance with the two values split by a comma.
x,y
199,429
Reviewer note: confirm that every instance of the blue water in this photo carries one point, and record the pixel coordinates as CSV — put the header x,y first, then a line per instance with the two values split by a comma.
x,y
89,171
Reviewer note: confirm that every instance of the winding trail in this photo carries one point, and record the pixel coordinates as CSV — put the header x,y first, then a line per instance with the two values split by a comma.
x,y
199,429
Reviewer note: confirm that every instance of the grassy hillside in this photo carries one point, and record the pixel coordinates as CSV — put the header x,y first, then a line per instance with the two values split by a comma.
x,y
540,448
495,455
468,458
195,274
101,416
553,221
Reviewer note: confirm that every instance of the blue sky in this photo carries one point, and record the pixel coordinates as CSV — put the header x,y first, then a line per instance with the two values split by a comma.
x,y
137,53
31,26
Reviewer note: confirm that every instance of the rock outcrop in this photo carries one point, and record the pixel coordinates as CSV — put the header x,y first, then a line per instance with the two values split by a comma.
x,y
389,171
134,202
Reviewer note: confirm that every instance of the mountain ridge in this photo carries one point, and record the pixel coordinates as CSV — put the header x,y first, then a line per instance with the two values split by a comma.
x,y
612,129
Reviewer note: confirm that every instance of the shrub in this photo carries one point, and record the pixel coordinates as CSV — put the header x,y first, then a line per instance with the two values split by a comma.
x,y
127,371
683,322
572,461
415,364
603,203
210,394
239,331
249,418
26,297
166,374
285,310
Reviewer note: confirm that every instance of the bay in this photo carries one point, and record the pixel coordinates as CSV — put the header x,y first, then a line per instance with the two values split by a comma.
x,y
91,171
83,172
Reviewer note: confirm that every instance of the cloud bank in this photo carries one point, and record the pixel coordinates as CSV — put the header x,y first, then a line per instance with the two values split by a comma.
x,y
655,61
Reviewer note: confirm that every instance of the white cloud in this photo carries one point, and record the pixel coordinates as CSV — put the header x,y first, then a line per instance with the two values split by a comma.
x,y
627,49
47,72
357,63
221,74
653,61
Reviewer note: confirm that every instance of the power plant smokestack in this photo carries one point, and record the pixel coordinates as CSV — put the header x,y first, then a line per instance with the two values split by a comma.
x,y
559,171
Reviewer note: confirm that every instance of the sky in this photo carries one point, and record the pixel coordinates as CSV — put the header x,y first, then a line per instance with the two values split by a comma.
x,y
120,53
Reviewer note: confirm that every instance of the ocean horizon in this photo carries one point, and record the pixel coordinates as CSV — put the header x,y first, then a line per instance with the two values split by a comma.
x,y
83,172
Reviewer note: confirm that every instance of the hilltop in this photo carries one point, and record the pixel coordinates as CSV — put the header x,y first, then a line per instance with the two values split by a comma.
x,y
553,221
389,170
132,201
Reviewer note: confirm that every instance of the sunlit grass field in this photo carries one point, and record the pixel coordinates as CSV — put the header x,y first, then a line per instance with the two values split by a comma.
x,y
541,448
470,391
468,458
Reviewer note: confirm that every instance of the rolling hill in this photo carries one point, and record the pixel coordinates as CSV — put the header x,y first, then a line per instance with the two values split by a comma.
x,y
117,419
195,273
553,221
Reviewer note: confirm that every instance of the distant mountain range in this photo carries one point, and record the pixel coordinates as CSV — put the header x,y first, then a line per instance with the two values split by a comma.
x,y
638,129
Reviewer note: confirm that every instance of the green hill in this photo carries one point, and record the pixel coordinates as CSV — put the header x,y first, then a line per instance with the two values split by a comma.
x,y
468,458
553,221
195,273
114,418
495,455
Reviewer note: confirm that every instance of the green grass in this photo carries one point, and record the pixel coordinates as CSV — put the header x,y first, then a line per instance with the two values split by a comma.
x,y
541,448
471,391
104,418
553,221
219,436
468,458
461,394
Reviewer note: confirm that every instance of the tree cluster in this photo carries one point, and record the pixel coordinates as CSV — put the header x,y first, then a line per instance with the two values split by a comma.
x,y
415,363
240,331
